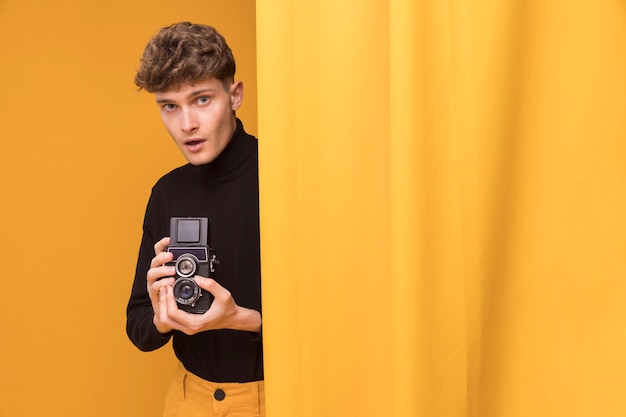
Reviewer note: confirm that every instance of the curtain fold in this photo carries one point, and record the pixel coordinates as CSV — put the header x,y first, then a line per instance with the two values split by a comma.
x,y
442,207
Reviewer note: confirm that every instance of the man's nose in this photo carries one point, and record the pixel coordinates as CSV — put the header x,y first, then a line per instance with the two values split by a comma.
x,y
189,121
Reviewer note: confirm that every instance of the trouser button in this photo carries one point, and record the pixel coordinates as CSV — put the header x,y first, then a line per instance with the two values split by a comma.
x,y
219,394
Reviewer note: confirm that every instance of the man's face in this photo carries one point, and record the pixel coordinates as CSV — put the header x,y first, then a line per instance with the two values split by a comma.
x,y
200,117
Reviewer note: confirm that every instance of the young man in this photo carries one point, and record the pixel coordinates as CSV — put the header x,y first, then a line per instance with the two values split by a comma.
x,y
191,69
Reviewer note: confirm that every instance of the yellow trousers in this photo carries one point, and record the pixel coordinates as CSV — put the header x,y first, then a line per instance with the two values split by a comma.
x,y
192,396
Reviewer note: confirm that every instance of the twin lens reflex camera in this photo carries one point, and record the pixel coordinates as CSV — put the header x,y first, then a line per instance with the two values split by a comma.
x,y
189,242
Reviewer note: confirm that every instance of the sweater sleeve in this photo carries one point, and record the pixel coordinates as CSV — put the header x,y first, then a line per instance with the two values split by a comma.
x,y
139,314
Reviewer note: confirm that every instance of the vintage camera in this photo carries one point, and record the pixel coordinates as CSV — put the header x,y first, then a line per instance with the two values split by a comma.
x,y
189,242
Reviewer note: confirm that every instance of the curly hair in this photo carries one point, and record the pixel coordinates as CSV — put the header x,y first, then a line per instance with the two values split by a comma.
x,y
184,53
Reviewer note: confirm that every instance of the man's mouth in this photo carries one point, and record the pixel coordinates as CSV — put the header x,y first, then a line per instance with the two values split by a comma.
x,y
193,141
194,144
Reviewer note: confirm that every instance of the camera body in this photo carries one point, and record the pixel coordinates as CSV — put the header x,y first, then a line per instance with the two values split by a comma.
x,y
189,243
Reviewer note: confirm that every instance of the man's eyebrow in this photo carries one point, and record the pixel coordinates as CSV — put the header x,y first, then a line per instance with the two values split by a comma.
x,y
199,92
189,96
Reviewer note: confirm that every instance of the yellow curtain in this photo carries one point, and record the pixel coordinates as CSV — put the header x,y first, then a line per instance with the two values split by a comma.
x,y
443,207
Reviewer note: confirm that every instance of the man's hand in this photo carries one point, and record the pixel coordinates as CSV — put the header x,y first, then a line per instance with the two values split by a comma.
x,y
160,276
224,312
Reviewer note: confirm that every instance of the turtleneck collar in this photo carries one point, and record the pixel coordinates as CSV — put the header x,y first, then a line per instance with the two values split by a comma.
x,y
232,159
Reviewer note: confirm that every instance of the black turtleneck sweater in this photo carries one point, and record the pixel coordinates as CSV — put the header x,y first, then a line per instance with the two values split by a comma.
x,y
226,191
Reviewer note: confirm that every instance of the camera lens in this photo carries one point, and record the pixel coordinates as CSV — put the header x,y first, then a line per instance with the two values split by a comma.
x,y
186,291
186,265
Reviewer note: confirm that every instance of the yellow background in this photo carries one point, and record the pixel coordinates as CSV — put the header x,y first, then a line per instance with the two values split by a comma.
x,y
443,207
80,150
442,204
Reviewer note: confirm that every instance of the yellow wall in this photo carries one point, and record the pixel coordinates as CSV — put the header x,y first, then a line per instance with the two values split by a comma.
x,y
80,151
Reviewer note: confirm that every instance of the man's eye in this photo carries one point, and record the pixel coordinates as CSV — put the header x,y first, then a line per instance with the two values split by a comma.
x,y
169,107
203,100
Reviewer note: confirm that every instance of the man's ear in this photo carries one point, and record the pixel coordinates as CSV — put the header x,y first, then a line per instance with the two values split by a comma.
x,y
236,94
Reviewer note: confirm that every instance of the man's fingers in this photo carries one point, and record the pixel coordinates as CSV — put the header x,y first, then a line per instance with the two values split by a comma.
x,y
163,282
161,259
163,316
177,318
167,309
160,273
171,301
212,286
161,245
